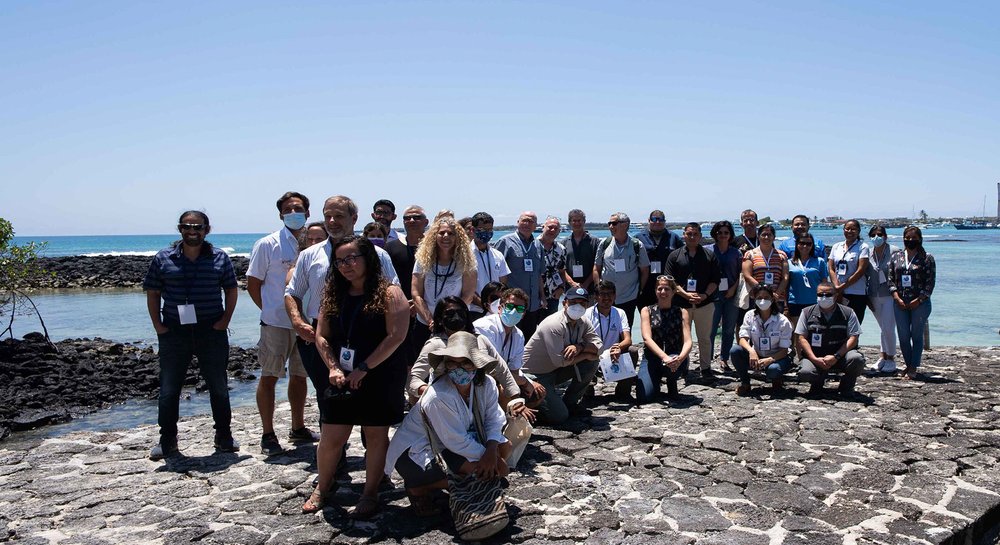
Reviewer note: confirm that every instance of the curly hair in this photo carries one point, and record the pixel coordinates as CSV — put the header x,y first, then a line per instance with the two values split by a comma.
x,y
376,286
427,252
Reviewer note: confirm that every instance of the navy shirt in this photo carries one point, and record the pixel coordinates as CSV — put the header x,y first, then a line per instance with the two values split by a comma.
x,y
182,281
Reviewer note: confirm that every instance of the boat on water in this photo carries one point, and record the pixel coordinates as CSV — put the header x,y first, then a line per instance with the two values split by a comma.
x,y
975,225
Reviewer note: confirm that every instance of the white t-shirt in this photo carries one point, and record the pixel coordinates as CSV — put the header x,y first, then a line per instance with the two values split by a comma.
x,y
438,284
842,254
510,347
309,277
609,328
270,260
491,268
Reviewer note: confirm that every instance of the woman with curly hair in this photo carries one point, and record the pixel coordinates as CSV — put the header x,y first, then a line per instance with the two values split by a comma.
x,y
444,266
362,323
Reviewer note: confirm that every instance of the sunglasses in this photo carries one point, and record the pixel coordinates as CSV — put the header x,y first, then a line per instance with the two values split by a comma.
x,y
613,223
348,260
414,217
191,226
518,308
654,219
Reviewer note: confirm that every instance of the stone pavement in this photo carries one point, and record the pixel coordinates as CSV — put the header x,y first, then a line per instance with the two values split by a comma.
x,y
915,462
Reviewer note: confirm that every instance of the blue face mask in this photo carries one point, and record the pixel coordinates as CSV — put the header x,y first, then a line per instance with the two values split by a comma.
x,y
294,220
461,376
878,241
510,318
484,236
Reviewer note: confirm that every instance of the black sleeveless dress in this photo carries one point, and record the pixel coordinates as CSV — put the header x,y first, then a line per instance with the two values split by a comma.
x,y
379,400
667,328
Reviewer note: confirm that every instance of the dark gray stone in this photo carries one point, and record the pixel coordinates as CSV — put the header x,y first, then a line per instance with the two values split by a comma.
x,y
693,515
781,496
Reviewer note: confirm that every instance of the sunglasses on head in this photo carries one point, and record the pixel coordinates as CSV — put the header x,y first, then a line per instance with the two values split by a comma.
x,y
191,226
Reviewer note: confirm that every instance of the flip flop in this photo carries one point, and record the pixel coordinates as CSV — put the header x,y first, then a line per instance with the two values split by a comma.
x,y
315,502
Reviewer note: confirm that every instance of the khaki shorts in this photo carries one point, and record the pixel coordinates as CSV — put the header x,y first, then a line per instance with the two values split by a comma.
x,y
276,346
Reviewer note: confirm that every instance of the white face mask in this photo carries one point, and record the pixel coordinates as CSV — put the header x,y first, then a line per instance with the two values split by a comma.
x,y
825,303
763,304
495,307
575,312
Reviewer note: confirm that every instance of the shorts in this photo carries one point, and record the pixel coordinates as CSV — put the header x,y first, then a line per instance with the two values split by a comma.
x,y
276,346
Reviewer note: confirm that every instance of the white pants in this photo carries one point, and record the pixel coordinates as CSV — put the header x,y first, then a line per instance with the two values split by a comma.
x,y
882,308
702,318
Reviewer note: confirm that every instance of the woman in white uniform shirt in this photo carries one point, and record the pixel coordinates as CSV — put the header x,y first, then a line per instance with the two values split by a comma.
x,y
848,264
443,267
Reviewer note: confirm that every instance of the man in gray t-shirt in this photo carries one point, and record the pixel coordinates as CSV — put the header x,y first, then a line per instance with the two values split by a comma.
x,y
622,259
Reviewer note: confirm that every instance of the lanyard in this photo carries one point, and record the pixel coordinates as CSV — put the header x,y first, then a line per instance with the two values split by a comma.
x,y
600,325
526,247
619,250
444,283
354,318
576,247
752,244
767,262
487,263
909,262
507,346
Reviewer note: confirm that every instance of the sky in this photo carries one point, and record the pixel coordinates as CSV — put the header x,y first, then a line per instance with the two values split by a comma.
x,y
117,116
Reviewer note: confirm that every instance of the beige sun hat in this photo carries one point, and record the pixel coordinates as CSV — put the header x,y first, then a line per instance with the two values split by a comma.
x,y
462,344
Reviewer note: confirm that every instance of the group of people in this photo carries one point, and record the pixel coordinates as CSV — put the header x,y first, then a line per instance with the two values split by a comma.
x,y
454,336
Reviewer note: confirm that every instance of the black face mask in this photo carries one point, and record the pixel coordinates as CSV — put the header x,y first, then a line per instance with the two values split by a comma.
x,y
454,320
911,244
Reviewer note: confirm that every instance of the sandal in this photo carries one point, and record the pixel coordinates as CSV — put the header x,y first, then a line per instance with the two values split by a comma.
x,y
424,506
366,508
315,502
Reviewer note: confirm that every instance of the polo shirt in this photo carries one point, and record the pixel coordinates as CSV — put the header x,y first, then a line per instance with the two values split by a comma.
x,y
543,353
516,252
270,260
609,328
181,281
491,267
627,280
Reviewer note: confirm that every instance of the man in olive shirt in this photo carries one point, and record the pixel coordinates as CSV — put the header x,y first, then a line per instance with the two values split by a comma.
x,y
564,348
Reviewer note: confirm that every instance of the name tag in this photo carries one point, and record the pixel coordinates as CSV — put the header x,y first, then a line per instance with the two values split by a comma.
x,y
805,280
692,285
842,269
906,280
654,267
817,340
769,278
619,265
187,314
529,265
724,284
577,271
765,343
347,359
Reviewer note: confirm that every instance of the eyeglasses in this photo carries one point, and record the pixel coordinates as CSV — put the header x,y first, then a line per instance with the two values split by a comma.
x,y
382,213
348,260
191,226
454,363
414,217
518,308
654,219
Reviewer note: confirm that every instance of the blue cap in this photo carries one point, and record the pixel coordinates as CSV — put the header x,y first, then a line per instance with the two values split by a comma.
x,y
577,293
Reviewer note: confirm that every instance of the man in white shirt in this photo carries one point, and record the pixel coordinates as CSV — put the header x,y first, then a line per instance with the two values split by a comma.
x,y
270,260
492,267
501,330
612,327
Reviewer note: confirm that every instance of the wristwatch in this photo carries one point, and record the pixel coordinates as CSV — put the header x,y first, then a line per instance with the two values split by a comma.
x,y
363,366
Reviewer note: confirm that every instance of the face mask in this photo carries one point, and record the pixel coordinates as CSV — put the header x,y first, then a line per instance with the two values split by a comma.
x,y
380,242
575,312
294,220
911,244
825,303
461,376
510,318
495,307
484,236
454,321
763,304
878,241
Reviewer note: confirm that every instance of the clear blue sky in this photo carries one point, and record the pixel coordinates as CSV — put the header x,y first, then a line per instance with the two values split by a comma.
x,y
116,116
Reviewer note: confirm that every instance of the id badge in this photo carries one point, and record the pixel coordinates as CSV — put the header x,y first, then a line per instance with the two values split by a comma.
x,y
817,340
654,267
841,269
765,343
187,314
692,285
769,278
577,271
905,279
724,284
347,359
529,265
619,265
805,281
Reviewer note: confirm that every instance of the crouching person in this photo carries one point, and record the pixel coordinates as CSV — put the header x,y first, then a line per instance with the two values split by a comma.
x,y
765,338
828,341
458,418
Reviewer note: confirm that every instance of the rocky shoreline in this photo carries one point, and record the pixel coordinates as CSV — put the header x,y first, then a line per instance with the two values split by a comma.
x,y
108,271
43,384
911,462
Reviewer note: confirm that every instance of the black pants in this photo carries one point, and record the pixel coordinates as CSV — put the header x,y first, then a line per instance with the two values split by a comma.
x,y
858,304
319,373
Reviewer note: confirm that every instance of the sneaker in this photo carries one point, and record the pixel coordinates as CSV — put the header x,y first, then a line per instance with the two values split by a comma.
x,y
269,445
226,444
886,366
161,451
303,435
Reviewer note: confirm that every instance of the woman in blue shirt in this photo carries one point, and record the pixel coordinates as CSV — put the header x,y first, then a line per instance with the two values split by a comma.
x,y
805,272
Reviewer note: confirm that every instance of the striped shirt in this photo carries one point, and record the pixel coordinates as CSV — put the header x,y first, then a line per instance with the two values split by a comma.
x,y
770,263
181,281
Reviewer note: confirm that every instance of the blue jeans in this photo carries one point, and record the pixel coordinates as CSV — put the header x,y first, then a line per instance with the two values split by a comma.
x,y
910,328
741,361
651,374
726,313
177,347
555,408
